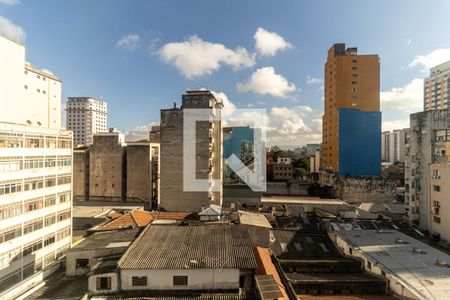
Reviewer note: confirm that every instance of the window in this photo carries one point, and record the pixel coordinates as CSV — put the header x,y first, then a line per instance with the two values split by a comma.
x,y
32,247
33,225
436,219
369,265
10,233
50,181
10,186
436,188
139,281
50,201
10,164
49,220
11,140
82,262
33,184
33,204
10,210
180,280
64,179
49,239
63,216
103,283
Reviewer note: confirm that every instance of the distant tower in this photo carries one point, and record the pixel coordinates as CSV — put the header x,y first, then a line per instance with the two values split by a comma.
x,y
352,117
86,116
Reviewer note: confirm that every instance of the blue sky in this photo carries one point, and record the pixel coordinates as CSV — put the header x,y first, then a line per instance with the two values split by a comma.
x,y
140,56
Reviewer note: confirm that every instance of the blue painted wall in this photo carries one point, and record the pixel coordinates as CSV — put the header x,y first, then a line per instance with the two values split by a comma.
x,y
359,143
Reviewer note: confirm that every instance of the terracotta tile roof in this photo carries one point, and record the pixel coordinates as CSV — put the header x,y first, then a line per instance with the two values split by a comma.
x,y
116,215
135,218
266,267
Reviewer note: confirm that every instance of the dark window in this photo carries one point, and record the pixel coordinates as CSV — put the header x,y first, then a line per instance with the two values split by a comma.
x,y
103,283
82,262
139,281
180,280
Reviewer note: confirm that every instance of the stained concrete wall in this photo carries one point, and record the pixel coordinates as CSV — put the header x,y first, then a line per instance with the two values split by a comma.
x,y
106,166
422,152
139,172
81,174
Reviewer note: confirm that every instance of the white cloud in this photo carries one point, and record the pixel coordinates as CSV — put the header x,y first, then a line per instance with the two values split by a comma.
x,y
195,57
431,59
139,132
313,80
10,2
269,43
266,82
395,124
11,30
129,42
408,98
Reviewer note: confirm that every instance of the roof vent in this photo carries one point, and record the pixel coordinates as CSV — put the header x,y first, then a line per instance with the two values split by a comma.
x,y
418,251
441,263
400,241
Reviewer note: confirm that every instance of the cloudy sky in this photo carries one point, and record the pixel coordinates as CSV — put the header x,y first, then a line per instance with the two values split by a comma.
x,y
140,56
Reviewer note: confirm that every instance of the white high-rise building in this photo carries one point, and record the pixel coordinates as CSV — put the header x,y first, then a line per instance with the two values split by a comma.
x,y
35,174
436,94
393,145
86,116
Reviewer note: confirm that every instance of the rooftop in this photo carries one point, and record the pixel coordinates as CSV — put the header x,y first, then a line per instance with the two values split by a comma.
x,y
291,244
419,267
300,200
180,247
107,239
133,219
255,219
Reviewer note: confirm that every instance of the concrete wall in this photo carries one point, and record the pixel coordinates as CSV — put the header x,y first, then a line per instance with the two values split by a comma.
x,y
106,168
27,94
283,188
81,174
92,284
440,215
422,152
73,255
198,279
139,172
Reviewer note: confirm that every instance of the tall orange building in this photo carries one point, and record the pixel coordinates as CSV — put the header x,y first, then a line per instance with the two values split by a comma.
x,y
352,83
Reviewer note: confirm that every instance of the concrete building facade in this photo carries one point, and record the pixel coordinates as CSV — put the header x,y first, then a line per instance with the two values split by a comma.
x,y
107,166
28,95
436,90
439,199
429,144
142,183
351,81
86,116
393,145
209,154
35,174
282,169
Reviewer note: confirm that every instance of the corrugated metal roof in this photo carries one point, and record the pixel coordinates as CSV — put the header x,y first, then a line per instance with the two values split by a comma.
x,y
180,247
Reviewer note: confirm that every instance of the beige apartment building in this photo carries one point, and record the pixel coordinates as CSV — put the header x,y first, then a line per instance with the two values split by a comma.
x,y
351,80
439,200
282,169
436,90
209,154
